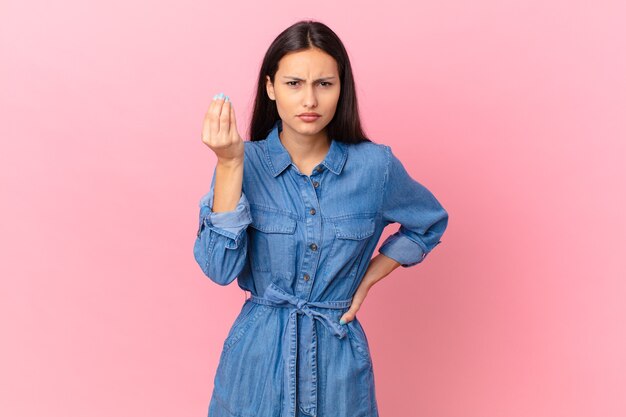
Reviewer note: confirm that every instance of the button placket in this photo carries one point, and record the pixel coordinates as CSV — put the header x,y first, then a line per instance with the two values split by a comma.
x,y
313,229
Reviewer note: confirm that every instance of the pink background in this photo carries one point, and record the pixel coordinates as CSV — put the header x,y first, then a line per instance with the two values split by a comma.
x,y
512,113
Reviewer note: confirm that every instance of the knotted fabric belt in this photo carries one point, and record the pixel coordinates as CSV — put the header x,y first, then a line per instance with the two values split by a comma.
x,y
307,357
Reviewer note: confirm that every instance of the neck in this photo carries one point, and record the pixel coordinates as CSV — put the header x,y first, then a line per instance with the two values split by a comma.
x,y
305,147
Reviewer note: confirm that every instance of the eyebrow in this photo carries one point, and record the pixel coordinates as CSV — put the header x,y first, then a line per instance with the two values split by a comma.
x,y
300,79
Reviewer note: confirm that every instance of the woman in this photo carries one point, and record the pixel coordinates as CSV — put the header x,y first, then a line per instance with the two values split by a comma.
x,y
295,214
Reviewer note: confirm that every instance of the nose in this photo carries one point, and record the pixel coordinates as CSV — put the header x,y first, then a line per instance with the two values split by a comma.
x,y
310,99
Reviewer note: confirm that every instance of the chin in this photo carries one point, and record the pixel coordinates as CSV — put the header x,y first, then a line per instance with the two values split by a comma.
x,y
316,126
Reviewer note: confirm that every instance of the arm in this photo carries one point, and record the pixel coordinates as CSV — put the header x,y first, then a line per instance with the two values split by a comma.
x,y
422,223
221,245
422,218
221,241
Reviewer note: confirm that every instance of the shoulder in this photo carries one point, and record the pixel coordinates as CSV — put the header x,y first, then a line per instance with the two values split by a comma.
x,y
252,146
369,154
254,149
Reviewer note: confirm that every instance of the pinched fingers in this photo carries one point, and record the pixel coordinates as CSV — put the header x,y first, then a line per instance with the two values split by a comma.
x,y
217,121
224,118
233,121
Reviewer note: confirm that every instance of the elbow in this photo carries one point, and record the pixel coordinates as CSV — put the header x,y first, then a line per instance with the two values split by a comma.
x,y
220,266
220,274
213,272
439,228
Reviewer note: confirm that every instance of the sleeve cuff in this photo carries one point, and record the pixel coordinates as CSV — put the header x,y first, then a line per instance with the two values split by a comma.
x,y
403,250
230,224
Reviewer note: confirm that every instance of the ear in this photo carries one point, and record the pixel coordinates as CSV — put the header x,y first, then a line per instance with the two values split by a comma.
x,y
269,87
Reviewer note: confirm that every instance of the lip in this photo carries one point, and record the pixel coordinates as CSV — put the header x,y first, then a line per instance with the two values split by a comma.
x,y
309,117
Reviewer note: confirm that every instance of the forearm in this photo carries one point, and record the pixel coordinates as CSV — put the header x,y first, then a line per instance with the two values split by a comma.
x,y
380,266
228,185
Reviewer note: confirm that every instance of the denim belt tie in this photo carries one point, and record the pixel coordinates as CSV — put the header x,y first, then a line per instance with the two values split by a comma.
x,y
307,359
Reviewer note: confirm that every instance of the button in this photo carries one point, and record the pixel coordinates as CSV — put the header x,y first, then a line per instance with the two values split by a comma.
x,y
312,211
306,277
319,168
313,246
316,184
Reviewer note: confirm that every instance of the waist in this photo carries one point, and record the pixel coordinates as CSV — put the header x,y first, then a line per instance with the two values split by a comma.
x,y
331,304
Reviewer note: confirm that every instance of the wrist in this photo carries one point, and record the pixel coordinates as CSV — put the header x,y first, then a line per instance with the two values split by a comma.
x,y
230,163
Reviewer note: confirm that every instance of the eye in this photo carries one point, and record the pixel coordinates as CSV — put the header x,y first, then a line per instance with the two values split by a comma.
x,y
289,83
327,83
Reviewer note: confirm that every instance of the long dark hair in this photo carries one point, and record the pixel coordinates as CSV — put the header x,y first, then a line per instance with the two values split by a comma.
x,y
306,34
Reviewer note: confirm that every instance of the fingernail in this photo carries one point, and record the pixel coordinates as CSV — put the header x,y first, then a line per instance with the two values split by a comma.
x,y
227,99
215,97
220,95
342,321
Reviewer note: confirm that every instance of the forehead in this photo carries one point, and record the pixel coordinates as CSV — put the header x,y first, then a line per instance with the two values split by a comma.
x,y
311,62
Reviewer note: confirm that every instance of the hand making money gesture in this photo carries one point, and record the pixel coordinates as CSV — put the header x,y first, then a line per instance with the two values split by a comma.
x,y
219,131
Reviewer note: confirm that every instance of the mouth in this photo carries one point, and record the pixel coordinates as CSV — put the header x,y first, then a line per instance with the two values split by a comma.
x,y
309,117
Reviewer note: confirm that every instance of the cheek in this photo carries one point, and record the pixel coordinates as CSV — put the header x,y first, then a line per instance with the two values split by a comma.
x,y
331,103
333,98
283,106
287,106
285,99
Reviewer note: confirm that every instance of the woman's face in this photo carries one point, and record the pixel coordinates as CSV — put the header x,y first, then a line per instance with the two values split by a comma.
x,y
306,82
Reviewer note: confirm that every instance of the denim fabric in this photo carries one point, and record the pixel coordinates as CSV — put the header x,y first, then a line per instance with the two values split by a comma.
x,y
300,245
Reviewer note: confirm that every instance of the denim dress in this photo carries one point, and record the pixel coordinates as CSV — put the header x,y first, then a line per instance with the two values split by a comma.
x,y
300,244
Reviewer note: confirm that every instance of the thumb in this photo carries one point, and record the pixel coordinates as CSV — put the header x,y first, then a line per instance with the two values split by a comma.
x,y
357,300
347,317
350,314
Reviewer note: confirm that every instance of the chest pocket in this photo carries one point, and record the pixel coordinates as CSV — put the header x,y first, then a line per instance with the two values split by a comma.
x,y
272,241
351,236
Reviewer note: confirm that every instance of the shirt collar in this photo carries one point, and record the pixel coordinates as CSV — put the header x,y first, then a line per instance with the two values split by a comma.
x,y
279,159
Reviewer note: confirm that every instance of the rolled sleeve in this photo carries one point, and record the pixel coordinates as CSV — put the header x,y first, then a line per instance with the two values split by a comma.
x,y
422,218
230,224
403,250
